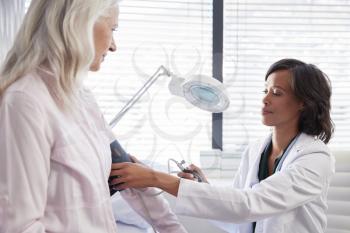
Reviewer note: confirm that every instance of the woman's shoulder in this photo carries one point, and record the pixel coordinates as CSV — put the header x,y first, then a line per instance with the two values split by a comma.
x,y
28,86
307,144
304,143
28,94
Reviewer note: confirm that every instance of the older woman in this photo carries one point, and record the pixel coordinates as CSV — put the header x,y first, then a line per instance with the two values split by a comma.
x,y
283,180
55,145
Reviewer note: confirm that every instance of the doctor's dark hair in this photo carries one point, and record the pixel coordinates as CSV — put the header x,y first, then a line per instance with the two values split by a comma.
x,y
311,86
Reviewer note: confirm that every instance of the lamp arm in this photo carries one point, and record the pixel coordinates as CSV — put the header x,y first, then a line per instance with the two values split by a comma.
x,y
160,72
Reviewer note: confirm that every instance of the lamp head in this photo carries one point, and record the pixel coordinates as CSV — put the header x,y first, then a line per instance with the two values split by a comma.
x,y
202,91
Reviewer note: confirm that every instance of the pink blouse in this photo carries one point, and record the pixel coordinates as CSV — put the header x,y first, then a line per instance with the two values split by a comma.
x,y
54,166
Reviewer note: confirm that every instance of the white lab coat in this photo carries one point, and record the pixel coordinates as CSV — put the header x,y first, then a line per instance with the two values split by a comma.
x,y
291,200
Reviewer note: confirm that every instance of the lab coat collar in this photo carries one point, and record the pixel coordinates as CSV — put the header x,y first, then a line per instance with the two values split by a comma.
x,y
254,159
302,142
301,147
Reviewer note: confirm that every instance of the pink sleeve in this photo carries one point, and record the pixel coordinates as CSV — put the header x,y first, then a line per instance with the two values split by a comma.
x,y
154,209
24,166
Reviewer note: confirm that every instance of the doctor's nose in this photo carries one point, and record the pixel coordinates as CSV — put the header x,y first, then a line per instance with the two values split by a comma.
x,y
265,99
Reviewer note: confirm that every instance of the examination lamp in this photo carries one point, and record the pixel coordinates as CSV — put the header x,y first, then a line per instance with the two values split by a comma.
x,y
202,91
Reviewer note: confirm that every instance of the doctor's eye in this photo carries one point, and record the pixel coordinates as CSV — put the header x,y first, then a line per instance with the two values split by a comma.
x,y
276,92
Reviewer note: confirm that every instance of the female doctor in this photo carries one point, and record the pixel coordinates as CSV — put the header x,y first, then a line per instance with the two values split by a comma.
x,y
54,143
282,182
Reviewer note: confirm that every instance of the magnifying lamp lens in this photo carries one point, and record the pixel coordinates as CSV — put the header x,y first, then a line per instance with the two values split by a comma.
x,y
205,94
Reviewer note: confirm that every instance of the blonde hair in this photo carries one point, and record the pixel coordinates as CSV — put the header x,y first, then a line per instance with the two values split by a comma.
x,y
57,35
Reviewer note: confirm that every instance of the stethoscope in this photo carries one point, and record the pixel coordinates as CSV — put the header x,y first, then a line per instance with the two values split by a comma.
x,y
286,152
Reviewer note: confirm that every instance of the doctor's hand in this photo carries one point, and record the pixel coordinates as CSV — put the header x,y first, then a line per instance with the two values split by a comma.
x,y
135,175
189,176
132,175
135,160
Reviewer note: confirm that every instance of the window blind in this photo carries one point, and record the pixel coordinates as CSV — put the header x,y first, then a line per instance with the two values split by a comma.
x,y
256,34
178,35
11,14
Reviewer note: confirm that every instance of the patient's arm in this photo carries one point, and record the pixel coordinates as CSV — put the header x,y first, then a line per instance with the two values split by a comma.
x,y
154,209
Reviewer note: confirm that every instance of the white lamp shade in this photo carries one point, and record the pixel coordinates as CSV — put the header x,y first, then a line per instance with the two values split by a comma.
x,y
202,91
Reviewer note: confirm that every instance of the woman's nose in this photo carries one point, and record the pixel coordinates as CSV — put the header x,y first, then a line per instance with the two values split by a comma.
x,y
113,46
265,99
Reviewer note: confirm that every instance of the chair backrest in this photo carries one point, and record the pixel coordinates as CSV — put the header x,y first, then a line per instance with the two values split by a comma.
x,y
339,195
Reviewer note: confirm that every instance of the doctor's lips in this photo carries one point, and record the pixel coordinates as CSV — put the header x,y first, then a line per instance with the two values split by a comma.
x,y
265,111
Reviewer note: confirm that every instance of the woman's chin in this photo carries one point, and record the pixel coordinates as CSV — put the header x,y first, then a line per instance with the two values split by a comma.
x,y
94,67
267,123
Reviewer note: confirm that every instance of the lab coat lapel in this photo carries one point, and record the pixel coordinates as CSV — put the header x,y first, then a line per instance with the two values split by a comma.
x,y
302,141
254,160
